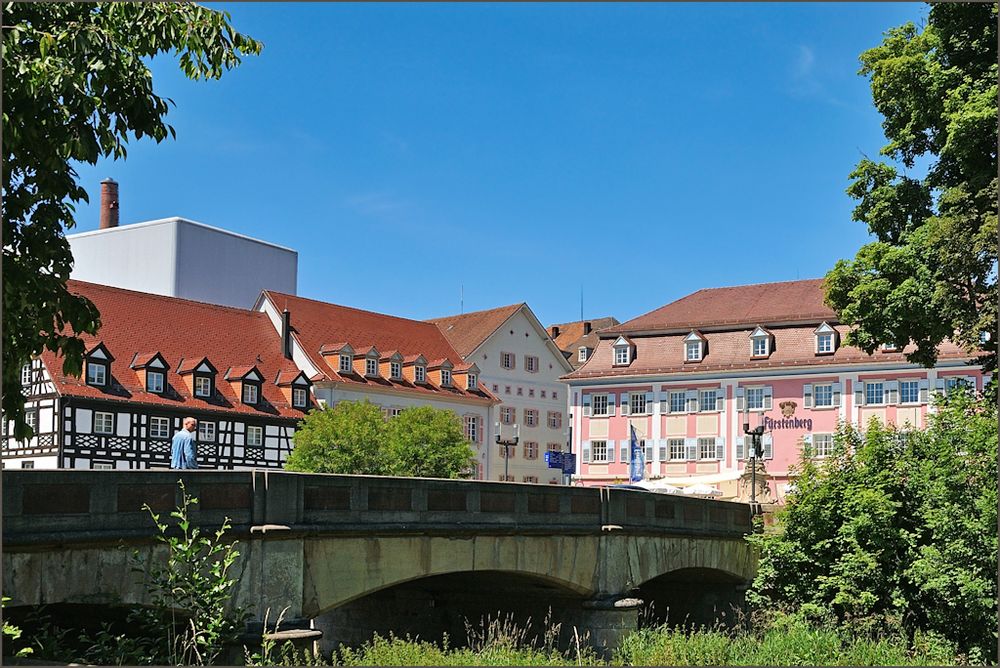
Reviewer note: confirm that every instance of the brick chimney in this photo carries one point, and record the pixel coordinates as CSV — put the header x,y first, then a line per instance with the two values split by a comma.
x,y
109,203
554,332
586,328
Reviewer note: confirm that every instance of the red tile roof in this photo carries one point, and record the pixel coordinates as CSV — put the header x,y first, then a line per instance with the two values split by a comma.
x,y
178,328
571,337
789,301
794,346
466,332
314,323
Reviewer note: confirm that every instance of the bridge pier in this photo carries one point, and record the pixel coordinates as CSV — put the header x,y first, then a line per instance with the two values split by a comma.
x,y
608,621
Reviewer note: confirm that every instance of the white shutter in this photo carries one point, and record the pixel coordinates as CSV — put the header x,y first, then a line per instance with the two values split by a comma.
x,y
740,448
691,397
859,393
691,448
585,454
836,394
664,402
624,451
768,447
650,448
893,388
807,395
720,447
649,402
923,385
720,399
586,405
661,447
739,399
939,386
768,393
626,404
611,404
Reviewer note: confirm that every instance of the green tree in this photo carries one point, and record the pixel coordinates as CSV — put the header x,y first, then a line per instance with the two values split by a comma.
x,y
348,438
428,442
77,88
931,273
895,529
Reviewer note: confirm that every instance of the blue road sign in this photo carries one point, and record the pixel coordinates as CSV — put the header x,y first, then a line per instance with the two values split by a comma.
x,y
554,459
568,463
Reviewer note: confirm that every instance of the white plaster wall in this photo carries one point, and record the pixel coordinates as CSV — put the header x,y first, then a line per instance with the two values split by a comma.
x,y
182,258
518,336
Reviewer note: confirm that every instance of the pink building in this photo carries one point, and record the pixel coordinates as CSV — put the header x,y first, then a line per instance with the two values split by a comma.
x,y
684,374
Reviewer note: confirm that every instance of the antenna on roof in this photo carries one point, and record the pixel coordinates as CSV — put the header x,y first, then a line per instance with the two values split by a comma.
x,y
461,299
581,301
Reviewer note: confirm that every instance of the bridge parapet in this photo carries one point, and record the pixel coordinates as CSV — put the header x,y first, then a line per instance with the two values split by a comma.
x,y
42,506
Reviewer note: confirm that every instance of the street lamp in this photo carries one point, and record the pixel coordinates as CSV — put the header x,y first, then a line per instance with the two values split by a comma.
x,y
506,448
756,436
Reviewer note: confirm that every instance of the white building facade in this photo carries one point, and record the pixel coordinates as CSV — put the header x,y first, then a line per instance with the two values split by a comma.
x,y
520,365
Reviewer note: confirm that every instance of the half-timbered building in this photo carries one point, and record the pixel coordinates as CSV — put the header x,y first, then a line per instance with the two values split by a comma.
x,y
154,361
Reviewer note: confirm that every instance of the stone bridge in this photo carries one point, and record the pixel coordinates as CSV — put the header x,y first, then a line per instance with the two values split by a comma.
x,y
360,554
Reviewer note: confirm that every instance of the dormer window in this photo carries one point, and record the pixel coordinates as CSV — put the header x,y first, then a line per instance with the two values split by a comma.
x,y
202,386
251,393
473,381
371,366
622,351
889,347
582,354
621,355
300,397
98,362
694,347
760,342
97,373
446,377
396,370
826,339
154,381
345,364
420,373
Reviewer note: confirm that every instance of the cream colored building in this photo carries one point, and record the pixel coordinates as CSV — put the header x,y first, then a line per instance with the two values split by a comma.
x,y
520,365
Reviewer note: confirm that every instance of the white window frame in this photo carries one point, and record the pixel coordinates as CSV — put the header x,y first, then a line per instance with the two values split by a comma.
x,y
507,415
581,354
92,373
206,431
702,403
820,390
531,364
371,366
594,402
395,370
152,386
594,459
346,364
473,381
472,428
693,346
202,386
622,356
675,446
445,377
637,404
250,393
869,392
26,373
530,417
555,420
682,397
259,440
31,419
707,442
161,422
420,373
916,391
300,397
504,357
104,419
827,338
102,466
752,391
822,452
756,341
530,450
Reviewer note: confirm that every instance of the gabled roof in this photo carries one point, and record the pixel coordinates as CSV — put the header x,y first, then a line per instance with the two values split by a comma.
x,y
785,302
100,351
245,372
137,322
191,364
571,337
467,331
286,378
316,323
153,360
759,331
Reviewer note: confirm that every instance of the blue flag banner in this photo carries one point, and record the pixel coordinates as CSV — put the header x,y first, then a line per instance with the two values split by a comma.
x,y
637,469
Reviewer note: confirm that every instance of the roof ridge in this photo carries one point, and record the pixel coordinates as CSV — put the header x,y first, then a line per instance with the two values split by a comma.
x,y
573,322
153,295
479,312
349,308
754,285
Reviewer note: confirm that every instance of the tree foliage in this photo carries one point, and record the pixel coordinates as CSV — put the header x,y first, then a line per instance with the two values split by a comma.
x,y
931,272
354,437
77,88
896,529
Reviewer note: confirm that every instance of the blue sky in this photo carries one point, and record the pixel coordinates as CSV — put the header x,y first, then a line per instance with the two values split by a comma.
x,y
639,152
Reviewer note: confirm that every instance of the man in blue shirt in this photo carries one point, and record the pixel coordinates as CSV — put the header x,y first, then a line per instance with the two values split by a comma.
x,y
182,451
